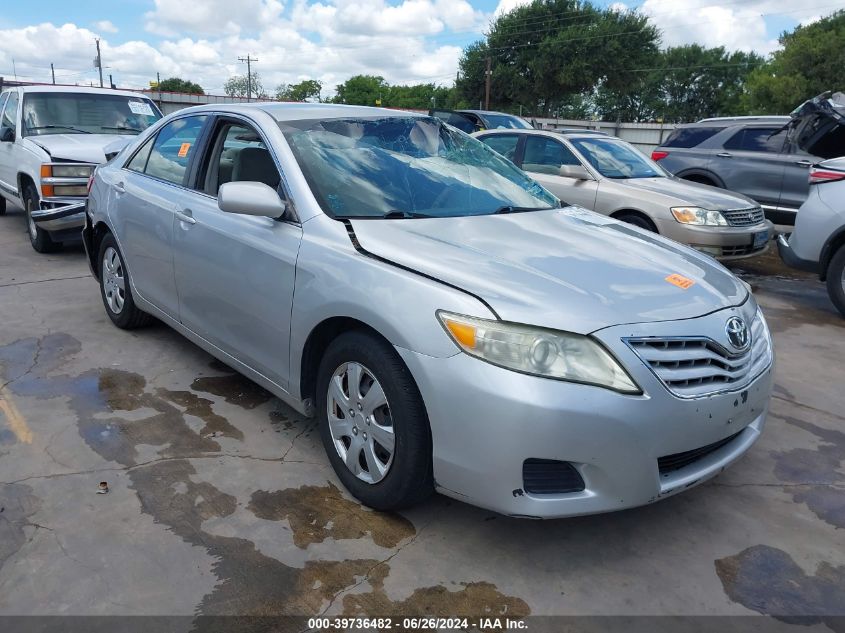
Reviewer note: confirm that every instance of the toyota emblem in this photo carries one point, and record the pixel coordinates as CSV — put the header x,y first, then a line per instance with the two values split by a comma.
x,y
738,333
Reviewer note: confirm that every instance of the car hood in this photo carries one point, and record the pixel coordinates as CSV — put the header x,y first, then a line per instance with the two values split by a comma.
x,y
815,126
684,192
85,148
567,269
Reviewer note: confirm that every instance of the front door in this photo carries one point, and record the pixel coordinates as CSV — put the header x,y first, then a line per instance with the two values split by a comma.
x,y
543,157
9,157
235,273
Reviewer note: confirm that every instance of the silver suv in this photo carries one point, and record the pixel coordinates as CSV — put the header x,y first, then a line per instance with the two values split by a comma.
x,y
765,158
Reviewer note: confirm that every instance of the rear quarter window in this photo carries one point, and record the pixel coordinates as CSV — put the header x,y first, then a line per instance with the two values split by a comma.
x,y
686,137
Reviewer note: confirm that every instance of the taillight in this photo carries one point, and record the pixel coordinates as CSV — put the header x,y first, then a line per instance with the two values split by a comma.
x,y
658,155
818,176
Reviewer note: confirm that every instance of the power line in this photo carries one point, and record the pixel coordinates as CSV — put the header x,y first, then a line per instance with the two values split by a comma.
x,y
248,61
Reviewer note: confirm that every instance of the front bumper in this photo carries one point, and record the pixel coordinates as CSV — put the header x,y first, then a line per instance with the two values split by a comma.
x,y
722,242
792,260
486,421
62,215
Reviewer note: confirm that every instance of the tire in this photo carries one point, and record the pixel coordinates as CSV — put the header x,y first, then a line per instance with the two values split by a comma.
x,y
2,205
407,479
117,300
836,280
637,220
703,180
39,238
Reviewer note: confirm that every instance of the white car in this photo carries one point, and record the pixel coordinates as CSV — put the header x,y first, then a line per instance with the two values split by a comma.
x,y
51,139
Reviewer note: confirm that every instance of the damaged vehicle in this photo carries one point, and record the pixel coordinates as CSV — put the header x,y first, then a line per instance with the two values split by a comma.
x,y
767,158
448,324
51,140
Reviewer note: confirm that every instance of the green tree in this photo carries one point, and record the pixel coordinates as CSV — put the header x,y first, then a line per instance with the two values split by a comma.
x,y
304,90
420,97
810,62
552,54
176,84
362,90
240,85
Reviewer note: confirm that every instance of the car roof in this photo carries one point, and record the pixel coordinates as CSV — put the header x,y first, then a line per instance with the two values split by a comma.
x,y
737,120
489,112
283,111
550,133
82,90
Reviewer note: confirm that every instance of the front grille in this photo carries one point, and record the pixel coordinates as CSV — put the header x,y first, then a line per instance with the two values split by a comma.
x,y
548,477
730,251
744,217
697,366
671,463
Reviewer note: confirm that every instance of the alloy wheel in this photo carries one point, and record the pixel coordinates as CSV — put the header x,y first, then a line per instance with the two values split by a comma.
x,y
114,281
360,422
30,223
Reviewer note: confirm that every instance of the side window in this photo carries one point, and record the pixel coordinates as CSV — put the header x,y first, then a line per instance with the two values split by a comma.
x,y
10,113
139,160
173,147
686,137
755,139
239,154
504,144
545,155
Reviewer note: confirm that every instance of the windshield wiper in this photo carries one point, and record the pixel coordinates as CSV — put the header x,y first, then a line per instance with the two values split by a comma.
x,y
121,127
395,214
513,209
56,127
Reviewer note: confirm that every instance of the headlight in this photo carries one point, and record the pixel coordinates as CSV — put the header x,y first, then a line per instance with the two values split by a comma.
x,y
536,351
71,171
699,216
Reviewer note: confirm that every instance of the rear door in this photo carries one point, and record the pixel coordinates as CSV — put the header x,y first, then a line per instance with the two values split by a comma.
x,y
145,206
543,157
9,157
752,162
235,273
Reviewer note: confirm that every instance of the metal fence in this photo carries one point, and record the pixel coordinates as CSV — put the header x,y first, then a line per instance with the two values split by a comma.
x,y
644,136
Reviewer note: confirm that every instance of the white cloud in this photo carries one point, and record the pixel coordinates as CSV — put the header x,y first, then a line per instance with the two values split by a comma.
x,y
105,26
210,17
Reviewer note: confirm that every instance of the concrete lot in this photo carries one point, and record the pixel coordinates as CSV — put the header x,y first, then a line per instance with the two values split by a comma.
x,y
222,500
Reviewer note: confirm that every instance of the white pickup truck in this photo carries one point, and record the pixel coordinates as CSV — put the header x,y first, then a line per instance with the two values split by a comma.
x,y
51,140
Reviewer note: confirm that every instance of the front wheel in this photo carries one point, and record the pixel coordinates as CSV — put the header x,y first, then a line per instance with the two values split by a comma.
x,y
637,220
38,237
836,280
373,422
115,288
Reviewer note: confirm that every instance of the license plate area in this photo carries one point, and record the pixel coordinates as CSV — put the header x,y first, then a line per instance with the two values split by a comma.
x,y
760,239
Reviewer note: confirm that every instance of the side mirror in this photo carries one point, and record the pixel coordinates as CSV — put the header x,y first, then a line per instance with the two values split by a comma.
x,y
578,172
250,198
7,135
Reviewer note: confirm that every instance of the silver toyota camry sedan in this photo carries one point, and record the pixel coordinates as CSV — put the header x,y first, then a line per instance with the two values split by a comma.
x,y
450,326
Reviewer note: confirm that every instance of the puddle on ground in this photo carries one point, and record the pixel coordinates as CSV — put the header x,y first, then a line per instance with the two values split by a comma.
x,y
817,468
251,583
316,513
767,580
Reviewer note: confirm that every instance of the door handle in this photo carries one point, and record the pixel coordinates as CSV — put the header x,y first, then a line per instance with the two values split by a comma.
x,y
119,187
725,155
186,217
804,163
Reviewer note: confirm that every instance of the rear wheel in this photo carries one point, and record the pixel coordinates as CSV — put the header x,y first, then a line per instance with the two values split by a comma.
x,y
373,422
2,205
115,288
836,280
637,220
702,180
38,237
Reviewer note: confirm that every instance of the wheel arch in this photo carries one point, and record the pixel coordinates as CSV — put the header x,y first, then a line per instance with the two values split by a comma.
x,y
700,176
642,214
830,248
318,341
101,229
24,179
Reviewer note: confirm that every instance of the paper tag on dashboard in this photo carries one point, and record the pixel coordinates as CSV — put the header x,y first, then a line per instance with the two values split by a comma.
x,y
139,107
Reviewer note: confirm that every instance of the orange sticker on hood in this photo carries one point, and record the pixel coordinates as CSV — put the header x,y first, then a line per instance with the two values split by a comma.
x,y
679,280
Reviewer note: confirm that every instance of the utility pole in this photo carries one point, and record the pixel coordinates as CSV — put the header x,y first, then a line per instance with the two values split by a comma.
x,y
487,74
111,83
248,61
99,61
53,72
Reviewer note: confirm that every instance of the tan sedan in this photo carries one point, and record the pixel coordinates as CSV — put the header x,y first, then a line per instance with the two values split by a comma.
x,y
607,175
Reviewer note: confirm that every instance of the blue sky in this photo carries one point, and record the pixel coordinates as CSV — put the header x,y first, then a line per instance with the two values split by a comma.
x,y
403,40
